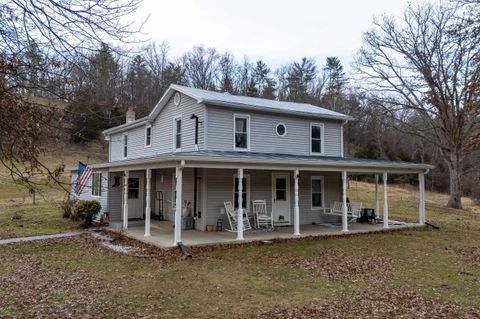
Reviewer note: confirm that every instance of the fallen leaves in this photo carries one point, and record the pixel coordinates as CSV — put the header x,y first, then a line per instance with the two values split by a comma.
x,y
336,264
381,302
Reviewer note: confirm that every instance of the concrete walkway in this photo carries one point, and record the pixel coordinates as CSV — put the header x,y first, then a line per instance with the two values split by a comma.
x,y
41,237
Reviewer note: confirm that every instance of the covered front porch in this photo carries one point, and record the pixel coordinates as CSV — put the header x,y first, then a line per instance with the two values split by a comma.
x,y
162,233
211,179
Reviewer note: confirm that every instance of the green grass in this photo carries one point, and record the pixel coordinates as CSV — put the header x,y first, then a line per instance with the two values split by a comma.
x,y
80,277
30,220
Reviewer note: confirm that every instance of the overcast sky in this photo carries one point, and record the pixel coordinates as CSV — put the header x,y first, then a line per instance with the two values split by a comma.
x,y
276,31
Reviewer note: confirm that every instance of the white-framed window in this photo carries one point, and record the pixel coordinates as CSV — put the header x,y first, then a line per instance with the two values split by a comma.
x,y
281,129
177,133
245,191
316,138
125,145
97,184
241,132
148,135
317,192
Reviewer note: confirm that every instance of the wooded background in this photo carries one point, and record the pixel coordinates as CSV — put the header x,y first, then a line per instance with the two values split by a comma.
x,y
414,88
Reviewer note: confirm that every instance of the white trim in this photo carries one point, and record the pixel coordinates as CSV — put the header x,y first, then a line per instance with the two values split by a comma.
x,y
247,183
322,137
322,178
205,129
175,95
93,183
245,116
124,135
296,208
276,129
148,126
174,133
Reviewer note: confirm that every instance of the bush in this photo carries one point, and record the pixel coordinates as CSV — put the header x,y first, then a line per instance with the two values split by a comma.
x,y
67,207
85,210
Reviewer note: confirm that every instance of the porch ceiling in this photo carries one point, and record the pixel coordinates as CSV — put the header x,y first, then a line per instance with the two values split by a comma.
x,y
250,160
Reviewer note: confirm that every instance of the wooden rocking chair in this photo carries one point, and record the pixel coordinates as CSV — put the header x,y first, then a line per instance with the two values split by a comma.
x,y
232,215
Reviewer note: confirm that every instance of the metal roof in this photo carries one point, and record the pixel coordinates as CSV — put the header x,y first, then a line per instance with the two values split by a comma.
x,y
259,104
267,158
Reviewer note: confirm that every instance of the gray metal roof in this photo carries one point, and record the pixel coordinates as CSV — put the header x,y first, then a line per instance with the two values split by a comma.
x,y
267,158
259,104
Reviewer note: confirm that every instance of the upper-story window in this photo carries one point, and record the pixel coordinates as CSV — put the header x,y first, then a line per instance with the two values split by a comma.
x,y
177,133
316,138
125,145
241,132
148,135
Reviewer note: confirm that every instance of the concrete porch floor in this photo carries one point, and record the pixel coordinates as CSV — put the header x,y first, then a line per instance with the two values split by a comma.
x,y
162,233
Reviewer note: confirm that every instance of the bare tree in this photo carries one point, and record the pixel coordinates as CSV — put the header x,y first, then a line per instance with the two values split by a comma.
x,y
58,29
201,66
420,66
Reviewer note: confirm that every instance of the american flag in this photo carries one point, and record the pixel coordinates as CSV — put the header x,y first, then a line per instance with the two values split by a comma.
x,y
84,173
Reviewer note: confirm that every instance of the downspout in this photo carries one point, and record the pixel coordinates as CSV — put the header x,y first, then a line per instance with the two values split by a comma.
x,y
195,172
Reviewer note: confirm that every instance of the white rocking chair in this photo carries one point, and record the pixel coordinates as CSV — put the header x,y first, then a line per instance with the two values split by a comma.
x,y
232,215
262,217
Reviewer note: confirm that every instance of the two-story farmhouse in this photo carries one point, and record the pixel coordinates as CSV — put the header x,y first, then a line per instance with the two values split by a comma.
x,y
199,151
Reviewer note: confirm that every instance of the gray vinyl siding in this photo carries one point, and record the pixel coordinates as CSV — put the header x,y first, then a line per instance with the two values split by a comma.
x,y
115,197
166,187
219,184
263,138
162,132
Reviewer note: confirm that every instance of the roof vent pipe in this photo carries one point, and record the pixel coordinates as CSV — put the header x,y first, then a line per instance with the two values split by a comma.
x,y
130,116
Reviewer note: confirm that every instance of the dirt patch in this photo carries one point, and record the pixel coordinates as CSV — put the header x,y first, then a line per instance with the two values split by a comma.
x,y
376,303
336,264
119,244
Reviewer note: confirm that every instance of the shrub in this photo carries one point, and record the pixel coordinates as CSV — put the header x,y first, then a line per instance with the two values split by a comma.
x,y
85,210
67,207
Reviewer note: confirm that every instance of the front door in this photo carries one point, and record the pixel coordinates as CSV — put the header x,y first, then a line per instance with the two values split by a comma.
x,y
281,199
135,195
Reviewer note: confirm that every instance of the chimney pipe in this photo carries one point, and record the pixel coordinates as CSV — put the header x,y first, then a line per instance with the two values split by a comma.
x,y
130,116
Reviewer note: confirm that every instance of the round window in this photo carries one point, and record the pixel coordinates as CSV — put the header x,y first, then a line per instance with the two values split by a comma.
x,y
176,99
281,129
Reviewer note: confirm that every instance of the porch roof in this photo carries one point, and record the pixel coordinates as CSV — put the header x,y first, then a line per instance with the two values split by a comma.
x,y
230,159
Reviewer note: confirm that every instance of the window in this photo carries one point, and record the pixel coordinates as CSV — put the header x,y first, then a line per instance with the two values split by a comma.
x,y
280,188
317,192
316,135
177,133
133,187
125,145
241,131
148,136
97,184
245,191
281,129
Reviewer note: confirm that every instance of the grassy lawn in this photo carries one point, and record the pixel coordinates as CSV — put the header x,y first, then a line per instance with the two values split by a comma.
x,y
411,273
30,220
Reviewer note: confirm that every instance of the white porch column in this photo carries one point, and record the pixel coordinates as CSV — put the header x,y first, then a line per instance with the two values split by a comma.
x,y
178,206
147,206
240,205
344,201
377,199
296,212
125,200
385,201
421,208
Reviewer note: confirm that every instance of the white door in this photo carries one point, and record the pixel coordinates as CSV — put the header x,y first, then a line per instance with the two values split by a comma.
x,y
135,195
281,198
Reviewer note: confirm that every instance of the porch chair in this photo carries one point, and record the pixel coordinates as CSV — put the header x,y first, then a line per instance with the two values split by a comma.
x,y
262,216
232,215
355,210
